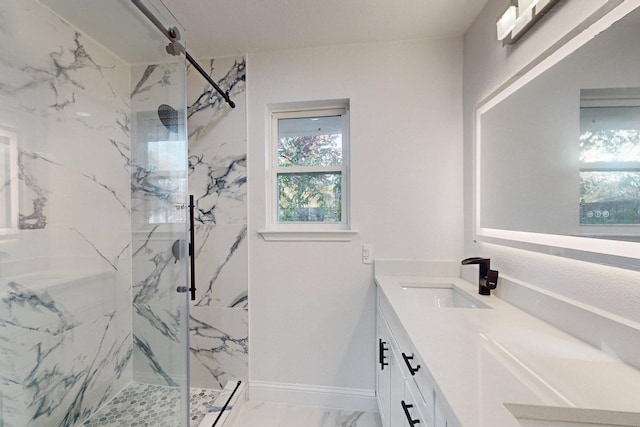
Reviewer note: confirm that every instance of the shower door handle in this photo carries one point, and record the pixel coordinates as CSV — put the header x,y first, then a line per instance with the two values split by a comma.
x,y
192,248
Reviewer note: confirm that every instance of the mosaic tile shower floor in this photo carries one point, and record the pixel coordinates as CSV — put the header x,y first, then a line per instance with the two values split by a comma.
x,y
145,405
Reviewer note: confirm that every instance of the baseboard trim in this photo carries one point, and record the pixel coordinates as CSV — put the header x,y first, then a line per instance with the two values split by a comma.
x,y
320,396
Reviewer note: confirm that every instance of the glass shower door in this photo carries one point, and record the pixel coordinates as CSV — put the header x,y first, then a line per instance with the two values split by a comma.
x,y
160,221
93,215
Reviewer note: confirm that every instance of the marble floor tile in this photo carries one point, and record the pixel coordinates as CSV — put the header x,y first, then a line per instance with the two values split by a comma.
x,y
263,414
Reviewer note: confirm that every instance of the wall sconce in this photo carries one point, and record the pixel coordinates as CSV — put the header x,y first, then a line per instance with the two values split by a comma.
x,y
519,17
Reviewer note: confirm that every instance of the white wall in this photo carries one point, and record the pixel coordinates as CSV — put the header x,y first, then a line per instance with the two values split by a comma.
x,y
312,319
486,66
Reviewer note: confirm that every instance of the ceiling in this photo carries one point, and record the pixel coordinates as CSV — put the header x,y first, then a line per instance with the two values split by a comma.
x,y
227,27
231,27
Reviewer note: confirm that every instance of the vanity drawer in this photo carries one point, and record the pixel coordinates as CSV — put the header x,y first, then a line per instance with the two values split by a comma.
x,y
417,412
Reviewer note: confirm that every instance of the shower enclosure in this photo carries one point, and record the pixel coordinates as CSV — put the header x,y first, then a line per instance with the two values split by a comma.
x,y
93,211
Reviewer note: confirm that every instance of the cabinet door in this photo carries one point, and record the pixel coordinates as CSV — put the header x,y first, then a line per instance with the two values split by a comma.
x,y
397,417
414,407
439,416
383,370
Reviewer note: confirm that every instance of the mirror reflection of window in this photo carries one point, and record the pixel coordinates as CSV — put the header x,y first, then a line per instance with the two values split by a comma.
x,y
166,160
610,156
8,182
160,179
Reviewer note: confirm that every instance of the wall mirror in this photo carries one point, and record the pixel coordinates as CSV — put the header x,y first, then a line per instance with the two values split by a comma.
x,y
557,150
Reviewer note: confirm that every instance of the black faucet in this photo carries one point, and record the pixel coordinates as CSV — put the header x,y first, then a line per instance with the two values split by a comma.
x,y
488,279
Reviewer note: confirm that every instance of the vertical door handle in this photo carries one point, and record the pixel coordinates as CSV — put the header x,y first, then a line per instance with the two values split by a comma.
x,y
381,356
192,247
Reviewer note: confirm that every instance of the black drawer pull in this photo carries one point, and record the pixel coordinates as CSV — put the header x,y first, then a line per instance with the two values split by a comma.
x,y
407,360
381,356
406,408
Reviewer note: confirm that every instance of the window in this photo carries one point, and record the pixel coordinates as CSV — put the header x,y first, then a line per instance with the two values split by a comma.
x,y
8,182
610,161
309,163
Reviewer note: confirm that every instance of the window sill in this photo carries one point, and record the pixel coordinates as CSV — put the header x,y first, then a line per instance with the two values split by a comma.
x,y
308,235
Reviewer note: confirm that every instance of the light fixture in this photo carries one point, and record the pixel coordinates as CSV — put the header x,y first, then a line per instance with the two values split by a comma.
x,y
519,17
506,22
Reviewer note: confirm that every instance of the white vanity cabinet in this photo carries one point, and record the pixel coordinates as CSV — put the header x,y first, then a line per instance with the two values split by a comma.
x,y
390,380
383,369
404,387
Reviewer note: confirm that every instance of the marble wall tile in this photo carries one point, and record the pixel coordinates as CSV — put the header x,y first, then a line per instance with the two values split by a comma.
x,y
68,100
63,362
221,258
65,275
160,355
217,178
159,311
218,346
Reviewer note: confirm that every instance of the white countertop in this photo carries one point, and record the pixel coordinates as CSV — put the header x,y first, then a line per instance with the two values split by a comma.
x,y
483,358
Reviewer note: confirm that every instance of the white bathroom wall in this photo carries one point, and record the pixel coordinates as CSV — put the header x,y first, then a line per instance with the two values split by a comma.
x,y
487,65
311,319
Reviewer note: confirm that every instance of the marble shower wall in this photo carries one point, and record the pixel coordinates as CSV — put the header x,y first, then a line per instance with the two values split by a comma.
x,y
65,268
217,179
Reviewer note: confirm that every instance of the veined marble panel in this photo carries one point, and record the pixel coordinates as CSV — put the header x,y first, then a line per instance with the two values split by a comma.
x,y
160,355
218,184
65,273
218,346
221,266
217,144
157,272
159,311
207,110
67,99
66,350
217,178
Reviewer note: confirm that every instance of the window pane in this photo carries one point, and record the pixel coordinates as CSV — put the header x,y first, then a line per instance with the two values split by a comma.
x,y
610,134
314,197
609,197
5,182
310,141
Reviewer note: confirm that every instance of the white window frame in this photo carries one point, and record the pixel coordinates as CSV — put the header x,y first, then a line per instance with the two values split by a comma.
x,y
11,184
618,231
307,231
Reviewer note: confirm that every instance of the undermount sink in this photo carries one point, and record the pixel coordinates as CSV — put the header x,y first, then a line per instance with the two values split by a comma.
x,y
440,295
549,416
